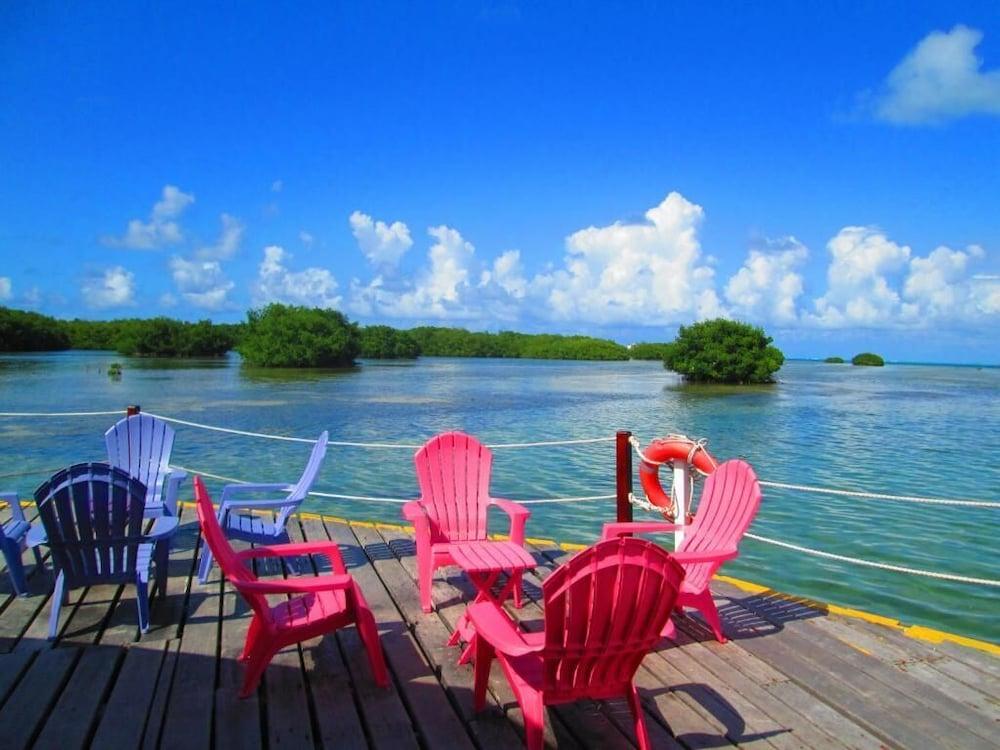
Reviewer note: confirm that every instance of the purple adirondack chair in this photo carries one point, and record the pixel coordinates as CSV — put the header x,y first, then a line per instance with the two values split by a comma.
x,y
93,516
15,536
141,446
239,521
729,502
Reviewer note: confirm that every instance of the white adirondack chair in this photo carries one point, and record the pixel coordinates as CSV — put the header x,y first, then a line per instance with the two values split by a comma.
x,y
239,521
140,445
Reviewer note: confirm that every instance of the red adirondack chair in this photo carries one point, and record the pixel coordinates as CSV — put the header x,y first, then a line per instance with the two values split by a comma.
x,y
453,471
604,610
729,502
327,602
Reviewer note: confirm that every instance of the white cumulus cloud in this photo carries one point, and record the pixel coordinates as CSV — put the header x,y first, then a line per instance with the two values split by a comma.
x,y
649,272
5,288
315,287
114,287
767,287
382,244
940,79
201,282
228,243
161,229
859,289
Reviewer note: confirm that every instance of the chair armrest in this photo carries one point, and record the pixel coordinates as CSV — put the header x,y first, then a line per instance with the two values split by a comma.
x,y
415,513
328,549
494,626
14,502
297,585
518,517
713,555
163,526
36,535
228,506
611,530
176,475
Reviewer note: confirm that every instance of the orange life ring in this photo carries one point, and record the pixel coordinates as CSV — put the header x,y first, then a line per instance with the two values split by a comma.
x,y
671,448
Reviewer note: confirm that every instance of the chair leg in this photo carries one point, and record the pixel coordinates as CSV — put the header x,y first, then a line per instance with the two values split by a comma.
x,y
256,664
705,604
57,599
425,571
534,719
484,660
205,563
142,603
518,590
253,631
12,554
638,720
368,631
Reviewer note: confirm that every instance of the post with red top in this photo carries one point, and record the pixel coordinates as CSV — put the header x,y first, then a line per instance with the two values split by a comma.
x,y
132,409
623,475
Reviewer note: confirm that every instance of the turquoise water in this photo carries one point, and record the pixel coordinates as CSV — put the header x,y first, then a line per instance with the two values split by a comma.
x,y
919,430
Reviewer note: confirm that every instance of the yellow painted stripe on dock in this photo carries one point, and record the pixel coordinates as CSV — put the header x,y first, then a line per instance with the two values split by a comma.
x,y
918,632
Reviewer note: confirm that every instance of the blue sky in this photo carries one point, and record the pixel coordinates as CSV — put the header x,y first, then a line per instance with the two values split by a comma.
x,y
828,170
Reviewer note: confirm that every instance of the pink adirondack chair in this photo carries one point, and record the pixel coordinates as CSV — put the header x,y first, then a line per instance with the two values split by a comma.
x,y
729,502
326,603
453,471
604,610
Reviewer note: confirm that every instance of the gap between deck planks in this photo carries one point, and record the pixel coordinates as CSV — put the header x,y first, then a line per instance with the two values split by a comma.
x,y
787,680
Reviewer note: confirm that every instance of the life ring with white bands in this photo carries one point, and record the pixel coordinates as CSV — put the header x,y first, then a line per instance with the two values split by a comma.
x,y
669,449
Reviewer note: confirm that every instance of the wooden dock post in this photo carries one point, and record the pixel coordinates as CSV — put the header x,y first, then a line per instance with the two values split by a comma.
x,y
623,475
132,410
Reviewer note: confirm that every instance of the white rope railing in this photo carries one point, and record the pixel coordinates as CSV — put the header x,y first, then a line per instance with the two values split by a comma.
x,y
116,412
881,495
376,499
873,564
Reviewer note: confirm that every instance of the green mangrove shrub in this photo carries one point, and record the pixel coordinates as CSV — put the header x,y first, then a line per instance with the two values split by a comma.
x,y
386,342
834,360
867,359
723,351
289,336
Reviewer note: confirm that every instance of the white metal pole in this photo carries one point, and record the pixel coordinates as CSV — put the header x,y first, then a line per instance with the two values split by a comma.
x,y
682,488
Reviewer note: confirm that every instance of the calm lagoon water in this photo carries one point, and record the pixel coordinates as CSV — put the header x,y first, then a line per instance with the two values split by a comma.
x,y
902,429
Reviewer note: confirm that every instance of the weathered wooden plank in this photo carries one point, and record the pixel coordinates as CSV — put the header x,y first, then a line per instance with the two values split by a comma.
x,y
289,724
491,726
167,612
436,718
434,632
69,724
12,666
25,711
161,696
237,720
188,717
336,716
388,723
938,713
125,714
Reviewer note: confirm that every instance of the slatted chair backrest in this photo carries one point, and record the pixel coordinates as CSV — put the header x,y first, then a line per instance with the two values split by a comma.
x,y
604,611
729,502
93,518
301,489
234,571
141,445
453,472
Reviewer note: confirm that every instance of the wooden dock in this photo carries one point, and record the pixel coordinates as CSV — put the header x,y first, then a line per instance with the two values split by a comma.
x,y
792,677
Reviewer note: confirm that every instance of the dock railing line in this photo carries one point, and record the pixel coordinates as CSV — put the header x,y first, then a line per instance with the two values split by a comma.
x,y
632,498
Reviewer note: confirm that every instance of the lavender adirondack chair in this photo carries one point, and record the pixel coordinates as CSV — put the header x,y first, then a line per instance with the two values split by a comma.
x,y
238,520
93,515
453,471
14,539
729,501
141,445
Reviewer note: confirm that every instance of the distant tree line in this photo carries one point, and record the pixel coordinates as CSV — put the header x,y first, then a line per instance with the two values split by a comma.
x,y
289,336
